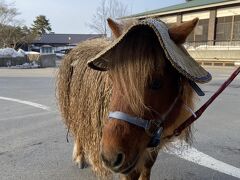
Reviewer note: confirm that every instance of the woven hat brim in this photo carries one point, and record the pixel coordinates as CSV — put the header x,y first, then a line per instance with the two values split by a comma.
x,y
176,54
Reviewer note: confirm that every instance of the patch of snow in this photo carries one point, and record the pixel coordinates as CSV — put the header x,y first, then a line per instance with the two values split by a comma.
x,y
26,66
21,52
60,55
10,52
31,52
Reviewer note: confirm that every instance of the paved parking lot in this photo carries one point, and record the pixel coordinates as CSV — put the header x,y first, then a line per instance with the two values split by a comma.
x,y
33,139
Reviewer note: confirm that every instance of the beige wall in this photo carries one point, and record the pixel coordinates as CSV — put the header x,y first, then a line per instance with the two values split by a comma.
x,y
169,19
200,15
232,11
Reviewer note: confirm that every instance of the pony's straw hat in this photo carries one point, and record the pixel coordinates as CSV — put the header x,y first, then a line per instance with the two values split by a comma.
x,y
176,54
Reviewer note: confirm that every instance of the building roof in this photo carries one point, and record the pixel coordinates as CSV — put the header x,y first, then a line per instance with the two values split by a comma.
x,y
65,38
198,4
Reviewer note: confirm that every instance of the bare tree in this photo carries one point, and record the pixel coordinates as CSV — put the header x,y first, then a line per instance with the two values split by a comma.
x,y
106,9
8,23
12,32
8,13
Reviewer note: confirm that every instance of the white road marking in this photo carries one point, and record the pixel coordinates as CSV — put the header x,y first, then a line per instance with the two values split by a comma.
x,y
26,102
185,151
26,116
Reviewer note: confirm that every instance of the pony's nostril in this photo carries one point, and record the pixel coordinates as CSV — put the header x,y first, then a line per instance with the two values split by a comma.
x,y
119,160
115,162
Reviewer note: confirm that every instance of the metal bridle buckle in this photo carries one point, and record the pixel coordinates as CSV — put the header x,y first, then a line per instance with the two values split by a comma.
x,y
153,127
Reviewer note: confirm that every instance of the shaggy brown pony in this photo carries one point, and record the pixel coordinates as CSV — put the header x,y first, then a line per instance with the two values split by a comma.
x,y
86,96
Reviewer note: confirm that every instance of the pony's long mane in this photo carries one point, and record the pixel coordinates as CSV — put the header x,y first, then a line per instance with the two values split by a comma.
x,y
83,96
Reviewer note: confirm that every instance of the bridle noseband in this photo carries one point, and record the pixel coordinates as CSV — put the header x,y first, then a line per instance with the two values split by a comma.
x,y
153,127
150,126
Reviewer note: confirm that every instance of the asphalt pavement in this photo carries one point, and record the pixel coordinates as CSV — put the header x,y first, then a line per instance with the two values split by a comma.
x,y
33,142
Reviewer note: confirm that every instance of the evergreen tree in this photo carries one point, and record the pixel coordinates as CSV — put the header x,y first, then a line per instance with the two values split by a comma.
x,y
41,25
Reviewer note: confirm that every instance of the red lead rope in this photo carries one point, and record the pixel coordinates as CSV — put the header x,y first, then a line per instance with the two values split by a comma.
x,y
199,112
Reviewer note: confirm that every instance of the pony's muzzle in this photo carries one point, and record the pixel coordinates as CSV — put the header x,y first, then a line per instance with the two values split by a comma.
x,y
113,162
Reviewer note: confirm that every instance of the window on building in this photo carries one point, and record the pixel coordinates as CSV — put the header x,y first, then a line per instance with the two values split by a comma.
x,y
200,34
47,50
236,28
201,31
224,28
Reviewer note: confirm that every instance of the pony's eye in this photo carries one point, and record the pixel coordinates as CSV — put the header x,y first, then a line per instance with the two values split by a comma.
x,y
155,84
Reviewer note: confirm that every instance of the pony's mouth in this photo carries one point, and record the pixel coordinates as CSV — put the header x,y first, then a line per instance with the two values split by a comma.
x,y
130,167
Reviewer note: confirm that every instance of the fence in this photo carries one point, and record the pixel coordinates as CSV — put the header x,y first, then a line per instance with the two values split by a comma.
x,y
43,60
217,53
208,45
10,61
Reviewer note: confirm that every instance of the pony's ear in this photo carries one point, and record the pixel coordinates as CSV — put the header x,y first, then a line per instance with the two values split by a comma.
x,y
179,33
115,27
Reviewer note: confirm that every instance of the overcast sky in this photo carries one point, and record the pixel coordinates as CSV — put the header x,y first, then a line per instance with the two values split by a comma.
x,y
71,16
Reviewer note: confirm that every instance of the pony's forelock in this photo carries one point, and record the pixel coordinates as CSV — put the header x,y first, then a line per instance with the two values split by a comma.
x,y
131,66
